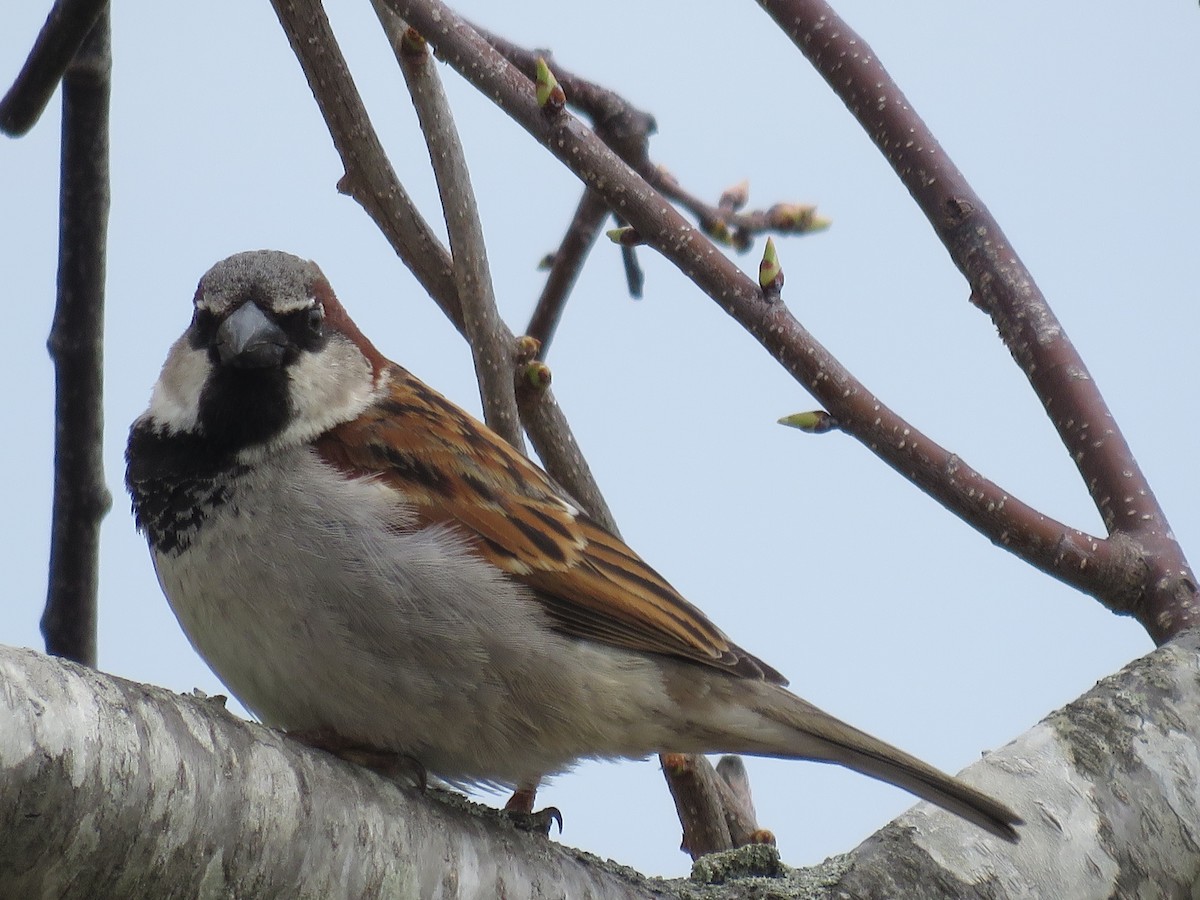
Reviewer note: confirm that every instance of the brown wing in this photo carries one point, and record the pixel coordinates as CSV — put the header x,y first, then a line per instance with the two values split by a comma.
x,y
455,470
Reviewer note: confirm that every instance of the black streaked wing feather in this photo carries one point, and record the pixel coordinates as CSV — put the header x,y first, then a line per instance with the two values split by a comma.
x,y
453,469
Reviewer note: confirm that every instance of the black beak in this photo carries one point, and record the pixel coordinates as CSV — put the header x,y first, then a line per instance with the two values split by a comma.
x,y
249,340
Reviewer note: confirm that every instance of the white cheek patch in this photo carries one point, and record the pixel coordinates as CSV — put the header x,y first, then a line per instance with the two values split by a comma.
x,y
175,400
326,388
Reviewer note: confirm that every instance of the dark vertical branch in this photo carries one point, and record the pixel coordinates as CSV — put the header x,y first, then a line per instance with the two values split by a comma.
x,y
76,345
69,23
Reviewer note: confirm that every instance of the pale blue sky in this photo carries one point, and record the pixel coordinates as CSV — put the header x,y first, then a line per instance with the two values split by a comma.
x,y
1075,122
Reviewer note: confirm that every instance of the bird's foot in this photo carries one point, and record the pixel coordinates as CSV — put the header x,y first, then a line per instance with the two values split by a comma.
x,y
537,822
519,811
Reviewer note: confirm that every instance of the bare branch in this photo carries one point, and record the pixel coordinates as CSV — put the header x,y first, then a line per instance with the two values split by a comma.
x,y
617,122
698,804
76,345
369,177
556,447
627,130
69,22
1004,288
714,815
490,341
732,228
620,124
1116,571
565,268
372,181
743,825
635,278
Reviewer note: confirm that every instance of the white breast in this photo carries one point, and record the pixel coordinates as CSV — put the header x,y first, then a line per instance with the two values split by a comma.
x,y
318,609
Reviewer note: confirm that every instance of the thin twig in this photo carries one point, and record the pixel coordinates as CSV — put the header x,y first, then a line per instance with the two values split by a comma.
x,y
733,228
490,349
744,825
76,344
635,278
618,122
564,270
1002,286
556,447
627,130
69,22
1116,571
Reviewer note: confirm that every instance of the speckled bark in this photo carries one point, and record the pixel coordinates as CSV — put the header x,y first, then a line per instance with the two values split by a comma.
x,y
113,789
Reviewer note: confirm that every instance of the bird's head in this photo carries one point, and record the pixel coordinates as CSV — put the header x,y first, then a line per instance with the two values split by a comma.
x,y
270,358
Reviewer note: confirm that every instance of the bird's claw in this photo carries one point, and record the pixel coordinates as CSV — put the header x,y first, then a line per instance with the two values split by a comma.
x,y
538,822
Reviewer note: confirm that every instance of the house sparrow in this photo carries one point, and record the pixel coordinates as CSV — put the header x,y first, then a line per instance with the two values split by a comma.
x,y
354,555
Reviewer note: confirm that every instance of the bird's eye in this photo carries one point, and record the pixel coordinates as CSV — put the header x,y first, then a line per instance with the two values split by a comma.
x,y
203,328
315,322
306,327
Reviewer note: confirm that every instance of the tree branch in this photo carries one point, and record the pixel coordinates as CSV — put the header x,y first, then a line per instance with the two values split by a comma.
x,y
620,124
490,341
76,344
716,812
69,23
1165,601
1116,571
114,789
109,788
729,227
371,180
373,186
627,130
1106,787
565,268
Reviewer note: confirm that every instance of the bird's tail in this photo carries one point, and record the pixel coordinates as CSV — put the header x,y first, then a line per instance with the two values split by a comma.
x,y
807,732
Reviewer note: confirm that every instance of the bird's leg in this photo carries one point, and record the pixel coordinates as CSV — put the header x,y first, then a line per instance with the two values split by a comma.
x,y
394,766
522,799
519,810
